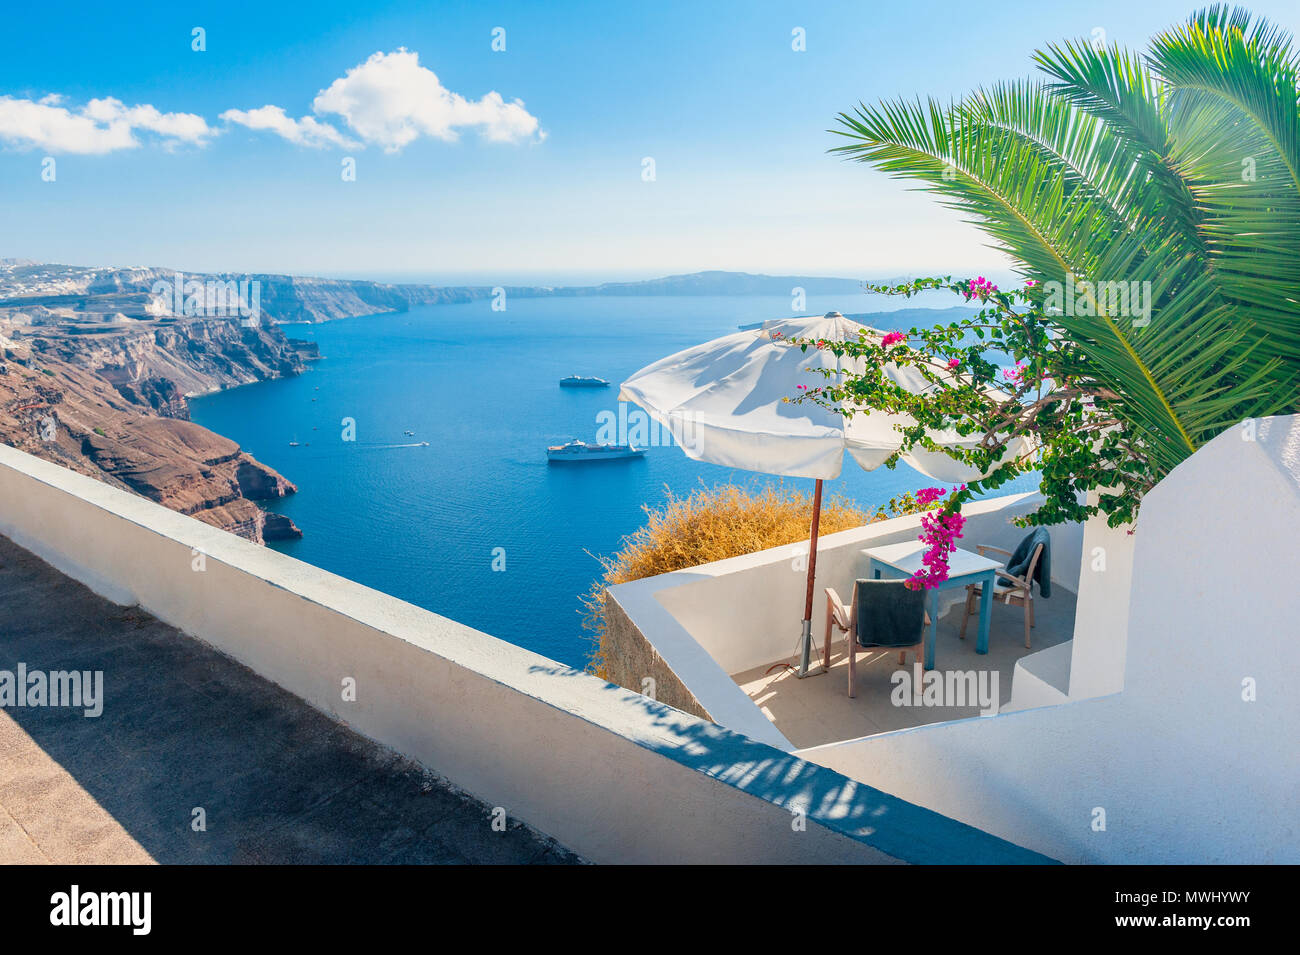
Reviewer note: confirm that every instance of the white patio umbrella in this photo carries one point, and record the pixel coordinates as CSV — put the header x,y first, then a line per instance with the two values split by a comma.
x,y
722,402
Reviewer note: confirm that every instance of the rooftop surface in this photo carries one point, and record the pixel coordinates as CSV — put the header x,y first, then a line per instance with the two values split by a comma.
x,y
817,709
185,728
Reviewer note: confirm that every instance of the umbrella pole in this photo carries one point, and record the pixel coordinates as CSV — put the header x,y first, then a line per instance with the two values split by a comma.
x,y
805,652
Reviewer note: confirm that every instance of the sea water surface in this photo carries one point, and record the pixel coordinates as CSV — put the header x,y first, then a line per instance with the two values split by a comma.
x,y
434,525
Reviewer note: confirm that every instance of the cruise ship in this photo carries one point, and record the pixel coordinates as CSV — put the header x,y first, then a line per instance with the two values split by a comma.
x,y
583,381
577,450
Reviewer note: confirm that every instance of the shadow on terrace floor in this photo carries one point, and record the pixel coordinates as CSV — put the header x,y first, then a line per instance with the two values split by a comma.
x,y
817,709
185,727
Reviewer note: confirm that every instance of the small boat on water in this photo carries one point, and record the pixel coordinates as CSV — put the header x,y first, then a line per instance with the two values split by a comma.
x,y
577,450
409,433
583,381
293,444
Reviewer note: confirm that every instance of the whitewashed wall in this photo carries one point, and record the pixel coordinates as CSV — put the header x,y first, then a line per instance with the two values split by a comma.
x,y
610,774
1101,613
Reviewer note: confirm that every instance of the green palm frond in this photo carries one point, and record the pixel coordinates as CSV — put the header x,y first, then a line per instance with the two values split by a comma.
x,y
1115,86
1003,185
1118,168
1094,165
1236,129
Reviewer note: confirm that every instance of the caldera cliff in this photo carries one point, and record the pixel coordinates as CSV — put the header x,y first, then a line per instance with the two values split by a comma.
x,y
109,399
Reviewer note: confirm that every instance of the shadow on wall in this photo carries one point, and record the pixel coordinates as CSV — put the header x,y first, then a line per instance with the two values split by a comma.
x,y
899,829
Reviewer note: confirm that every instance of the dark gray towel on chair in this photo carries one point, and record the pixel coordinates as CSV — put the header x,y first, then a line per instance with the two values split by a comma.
x,y
889,614
1019,562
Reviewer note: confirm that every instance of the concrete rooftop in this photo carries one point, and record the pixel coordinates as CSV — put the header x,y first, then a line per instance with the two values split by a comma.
x,y
183,727
817,710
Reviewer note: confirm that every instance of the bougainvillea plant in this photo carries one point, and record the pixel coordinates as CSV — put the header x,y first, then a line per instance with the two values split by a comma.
x,y
1172,171
1002,374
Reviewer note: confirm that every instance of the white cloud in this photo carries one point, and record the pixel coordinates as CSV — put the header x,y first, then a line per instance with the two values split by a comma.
x,y
391,100
305,132
101,126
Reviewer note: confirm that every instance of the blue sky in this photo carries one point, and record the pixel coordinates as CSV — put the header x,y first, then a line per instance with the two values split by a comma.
x,y
552,190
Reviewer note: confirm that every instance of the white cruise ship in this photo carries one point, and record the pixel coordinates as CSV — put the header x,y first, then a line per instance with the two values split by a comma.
x,y
577,450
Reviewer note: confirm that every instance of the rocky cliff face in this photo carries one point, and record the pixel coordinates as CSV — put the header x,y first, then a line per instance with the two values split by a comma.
x,y
287,298
44,293
195,355
112,405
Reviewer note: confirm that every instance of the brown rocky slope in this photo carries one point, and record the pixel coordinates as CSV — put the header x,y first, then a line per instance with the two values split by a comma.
x,y
113,405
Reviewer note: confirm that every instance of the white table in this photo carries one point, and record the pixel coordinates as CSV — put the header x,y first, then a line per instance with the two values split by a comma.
x,y
964,567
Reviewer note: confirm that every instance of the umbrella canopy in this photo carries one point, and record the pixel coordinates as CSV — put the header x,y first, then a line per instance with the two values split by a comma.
x,y
723,403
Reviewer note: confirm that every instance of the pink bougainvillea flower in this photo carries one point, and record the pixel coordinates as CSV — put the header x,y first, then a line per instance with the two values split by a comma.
x,y
892,338
939,532
928,495
954,364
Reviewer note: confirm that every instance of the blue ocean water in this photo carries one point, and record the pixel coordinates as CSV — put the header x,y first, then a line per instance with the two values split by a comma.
x,y
426,524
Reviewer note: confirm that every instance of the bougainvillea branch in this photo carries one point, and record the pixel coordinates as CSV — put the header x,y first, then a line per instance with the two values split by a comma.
x,y
1001,375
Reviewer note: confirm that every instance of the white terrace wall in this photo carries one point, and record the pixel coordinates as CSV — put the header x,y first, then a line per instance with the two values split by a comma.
x,y
719,619
1195,759
610,774
1100,643
1092,663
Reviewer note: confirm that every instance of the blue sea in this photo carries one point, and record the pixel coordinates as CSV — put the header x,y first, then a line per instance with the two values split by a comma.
x,y
434,525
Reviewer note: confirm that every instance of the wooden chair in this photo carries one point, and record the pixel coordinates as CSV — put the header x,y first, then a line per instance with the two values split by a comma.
x,y
845,617
1008,588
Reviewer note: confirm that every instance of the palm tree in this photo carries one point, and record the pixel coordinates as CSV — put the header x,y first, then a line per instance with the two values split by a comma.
x,y
1180,168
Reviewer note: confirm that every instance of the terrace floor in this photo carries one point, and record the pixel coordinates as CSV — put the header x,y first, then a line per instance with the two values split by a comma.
x,y
817,710
184,727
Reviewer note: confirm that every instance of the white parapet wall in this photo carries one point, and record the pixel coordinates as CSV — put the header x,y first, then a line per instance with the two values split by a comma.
x,y
1099,647
1194,758
712,621
610,774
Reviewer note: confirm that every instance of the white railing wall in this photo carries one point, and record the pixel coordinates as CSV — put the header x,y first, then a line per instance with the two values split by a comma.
x,y
610,774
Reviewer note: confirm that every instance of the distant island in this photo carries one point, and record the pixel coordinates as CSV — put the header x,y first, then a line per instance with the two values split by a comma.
x,y
70,293
97,366
720,283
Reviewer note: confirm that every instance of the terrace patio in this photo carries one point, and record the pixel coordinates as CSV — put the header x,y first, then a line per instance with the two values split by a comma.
x,y
817,710
717,630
